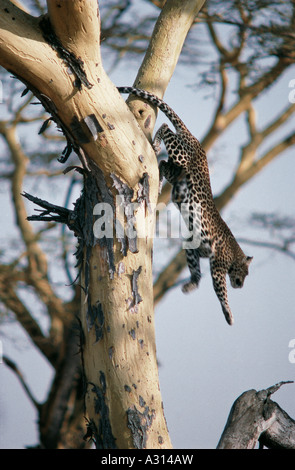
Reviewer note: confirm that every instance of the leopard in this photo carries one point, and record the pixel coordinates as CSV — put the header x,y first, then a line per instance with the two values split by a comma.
x,y
187,170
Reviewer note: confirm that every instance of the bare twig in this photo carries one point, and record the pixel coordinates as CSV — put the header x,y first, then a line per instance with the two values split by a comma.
x,y
9,363
282,248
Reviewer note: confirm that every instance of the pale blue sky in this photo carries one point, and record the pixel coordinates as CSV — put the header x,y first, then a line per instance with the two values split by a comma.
x,y
205,364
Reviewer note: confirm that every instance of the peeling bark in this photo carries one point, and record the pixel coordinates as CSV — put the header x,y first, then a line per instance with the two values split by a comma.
x,y
59,61
105,135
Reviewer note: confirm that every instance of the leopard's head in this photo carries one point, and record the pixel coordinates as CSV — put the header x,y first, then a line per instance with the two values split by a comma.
x,y
239,270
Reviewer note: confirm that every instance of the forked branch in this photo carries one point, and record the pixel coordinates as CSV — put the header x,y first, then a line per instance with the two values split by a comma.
x,y
255,417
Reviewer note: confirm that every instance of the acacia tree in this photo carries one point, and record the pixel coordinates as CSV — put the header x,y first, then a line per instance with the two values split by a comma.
x,y
57,57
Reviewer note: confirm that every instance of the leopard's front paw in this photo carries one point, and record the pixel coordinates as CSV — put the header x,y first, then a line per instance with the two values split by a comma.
x,y
189,287
157,148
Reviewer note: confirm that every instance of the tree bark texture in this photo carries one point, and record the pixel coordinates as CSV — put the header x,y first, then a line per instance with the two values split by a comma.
x,y
58,58
97,122
254,418
157,68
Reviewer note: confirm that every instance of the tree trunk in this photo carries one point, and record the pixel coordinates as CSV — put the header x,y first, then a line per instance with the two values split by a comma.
x,y
122,395
58,57
123,400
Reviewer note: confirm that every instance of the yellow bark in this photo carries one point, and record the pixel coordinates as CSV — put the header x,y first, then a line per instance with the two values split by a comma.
x,y
125,356
160,60
122,394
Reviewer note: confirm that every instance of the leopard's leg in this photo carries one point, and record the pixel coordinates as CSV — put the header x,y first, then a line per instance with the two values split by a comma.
x,y
193,262
219,283
181,197
162,171
177,160
191,213
168,170
180,192
159,136
174,144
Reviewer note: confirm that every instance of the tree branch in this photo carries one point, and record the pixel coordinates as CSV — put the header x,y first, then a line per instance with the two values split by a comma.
x,y
68,373
20,377
36,256
119,357
87,116
282,248
169,34
254,416
11,300
244,173
36,274
166,280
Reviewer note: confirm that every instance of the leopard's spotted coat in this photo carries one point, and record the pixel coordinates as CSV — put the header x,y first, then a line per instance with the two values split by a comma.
x,y
186,156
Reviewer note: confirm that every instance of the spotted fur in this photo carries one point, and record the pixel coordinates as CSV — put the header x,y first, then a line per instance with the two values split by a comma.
x,y
187,171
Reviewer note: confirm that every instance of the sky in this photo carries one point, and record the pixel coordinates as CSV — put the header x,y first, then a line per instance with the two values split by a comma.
x,y
205,364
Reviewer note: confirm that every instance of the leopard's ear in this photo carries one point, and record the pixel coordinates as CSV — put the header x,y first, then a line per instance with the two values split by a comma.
x,y
248,260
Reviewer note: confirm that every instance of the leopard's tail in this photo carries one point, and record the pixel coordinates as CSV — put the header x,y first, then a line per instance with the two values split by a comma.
x,y
153,99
